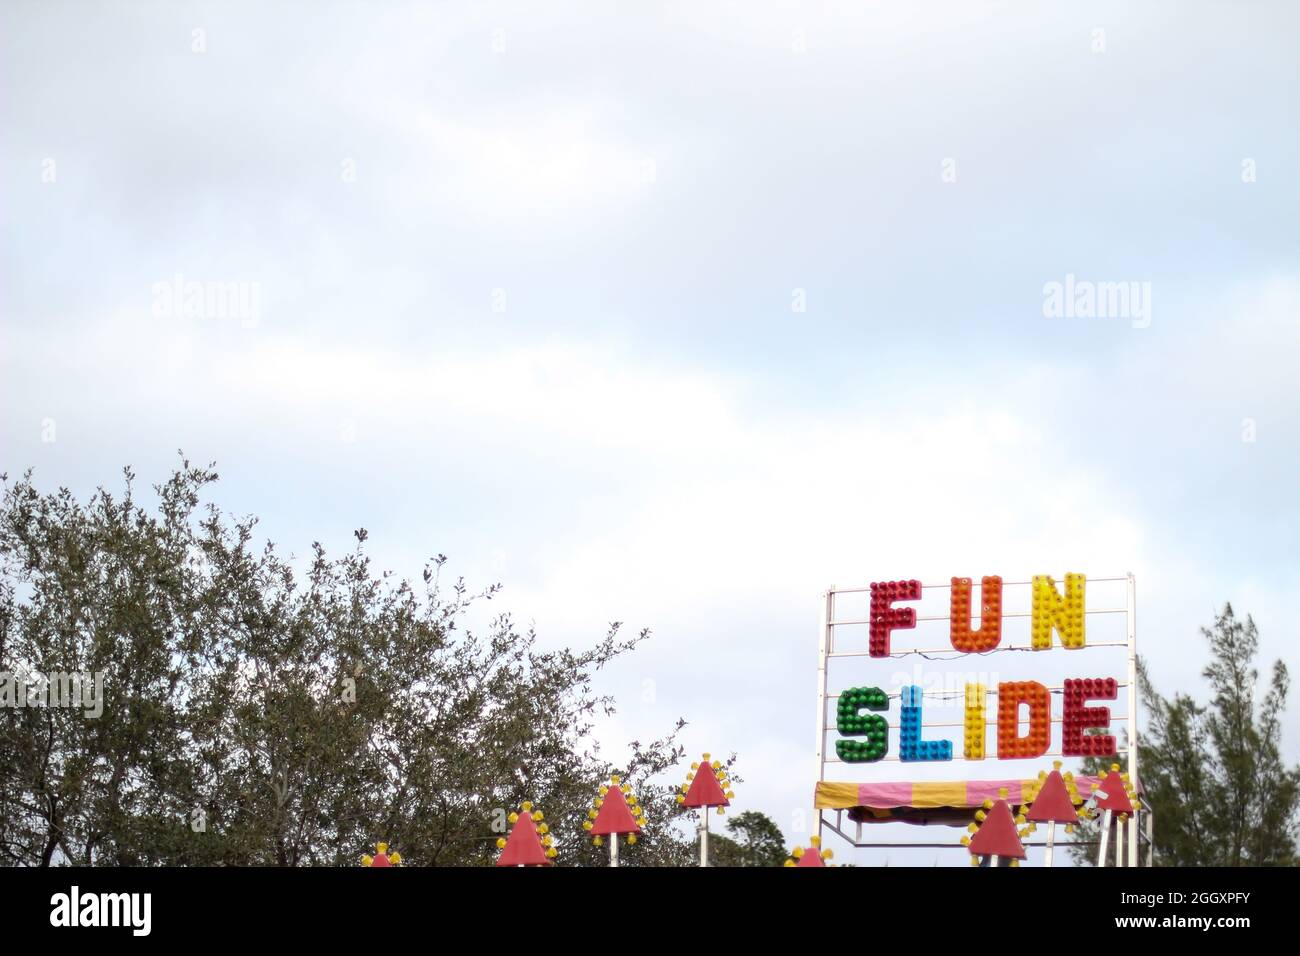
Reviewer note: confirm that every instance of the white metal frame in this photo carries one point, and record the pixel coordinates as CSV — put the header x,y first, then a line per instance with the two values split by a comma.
x,y
827,653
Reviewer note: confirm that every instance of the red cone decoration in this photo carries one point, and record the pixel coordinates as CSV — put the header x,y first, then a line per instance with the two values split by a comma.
x,y
706,786
615,812
814,855
530,840
1054,802
995,833
382,857
1115,792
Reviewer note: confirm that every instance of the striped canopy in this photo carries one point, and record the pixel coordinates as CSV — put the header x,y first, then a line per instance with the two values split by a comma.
x,y
942,802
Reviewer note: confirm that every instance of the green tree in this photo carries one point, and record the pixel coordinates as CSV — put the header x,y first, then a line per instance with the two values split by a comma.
x,y
261,710
1213,773
755,840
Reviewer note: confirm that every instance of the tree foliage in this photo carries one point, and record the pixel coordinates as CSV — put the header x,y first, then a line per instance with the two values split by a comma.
x,y
1213,773
754,840
262,711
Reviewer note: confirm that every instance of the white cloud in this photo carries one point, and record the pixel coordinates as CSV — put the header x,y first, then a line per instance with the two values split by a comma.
x,y
535,160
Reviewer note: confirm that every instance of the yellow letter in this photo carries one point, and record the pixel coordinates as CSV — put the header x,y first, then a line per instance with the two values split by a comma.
x,y
975,697
1050,610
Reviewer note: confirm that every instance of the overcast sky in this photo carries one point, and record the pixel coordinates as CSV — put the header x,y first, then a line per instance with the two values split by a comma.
x,y
679,315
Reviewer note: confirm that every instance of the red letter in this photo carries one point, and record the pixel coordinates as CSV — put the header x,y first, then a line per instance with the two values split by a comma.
x,y
989,635
1074,742
1010,696
885,618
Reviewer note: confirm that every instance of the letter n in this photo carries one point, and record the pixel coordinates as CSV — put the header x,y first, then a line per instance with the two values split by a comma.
x,y
1052,611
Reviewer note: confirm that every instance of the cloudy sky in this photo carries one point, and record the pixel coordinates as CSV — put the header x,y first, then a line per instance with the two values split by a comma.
x,y
678,316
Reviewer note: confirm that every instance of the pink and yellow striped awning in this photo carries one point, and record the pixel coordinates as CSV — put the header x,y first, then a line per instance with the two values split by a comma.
x,y
882,801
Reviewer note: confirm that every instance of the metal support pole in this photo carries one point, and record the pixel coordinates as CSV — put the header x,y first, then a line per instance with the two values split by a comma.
x,y
1105,837
1051,840
613,849
1132,714
826,644
704,837
1150,819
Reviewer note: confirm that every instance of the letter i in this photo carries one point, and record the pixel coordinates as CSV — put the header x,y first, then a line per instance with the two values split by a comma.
x,y
976,694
